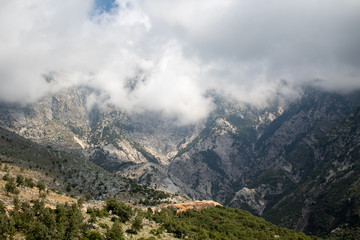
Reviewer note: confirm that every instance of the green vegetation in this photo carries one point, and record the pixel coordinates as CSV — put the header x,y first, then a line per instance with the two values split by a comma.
x,y
41,186
10,186
344,232
123,211
153,197
100,213
116,232
136,225
29,183
221,223
35,221
20,180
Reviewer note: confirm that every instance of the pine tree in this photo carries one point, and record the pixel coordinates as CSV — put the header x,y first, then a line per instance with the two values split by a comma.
x,y
19,180
116,232
37,231
4,225
41,186
93,217
10,186
136,225
29,182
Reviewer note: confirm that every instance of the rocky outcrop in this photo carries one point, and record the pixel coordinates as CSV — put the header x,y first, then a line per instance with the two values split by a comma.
x,y
249,198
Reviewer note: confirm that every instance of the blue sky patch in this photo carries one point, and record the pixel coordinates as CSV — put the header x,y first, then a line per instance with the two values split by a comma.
x,y
104,5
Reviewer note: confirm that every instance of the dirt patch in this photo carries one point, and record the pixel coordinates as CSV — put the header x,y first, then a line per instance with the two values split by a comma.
x,y
198,205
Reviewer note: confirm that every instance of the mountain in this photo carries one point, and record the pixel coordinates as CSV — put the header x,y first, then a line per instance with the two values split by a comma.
x,y
33,204
328,196
69,172
294,163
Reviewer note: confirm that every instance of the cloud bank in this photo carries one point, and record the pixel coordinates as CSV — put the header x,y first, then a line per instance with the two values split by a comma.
x,y
165,55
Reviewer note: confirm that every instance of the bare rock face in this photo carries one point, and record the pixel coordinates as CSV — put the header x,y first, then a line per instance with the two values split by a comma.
x,y
54,120
249,198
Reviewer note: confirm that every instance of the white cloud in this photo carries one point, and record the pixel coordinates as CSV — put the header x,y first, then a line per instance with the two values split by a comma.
x,y
177,50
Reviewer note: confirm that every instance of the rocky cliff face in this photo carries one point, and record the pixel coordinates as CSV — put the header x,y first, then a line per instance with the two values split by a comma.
x,y
68,121
240,156
327,196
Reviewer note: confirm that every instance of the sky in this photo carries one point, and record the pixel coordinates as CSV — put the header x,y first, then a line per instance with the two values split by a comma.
x,y
147,55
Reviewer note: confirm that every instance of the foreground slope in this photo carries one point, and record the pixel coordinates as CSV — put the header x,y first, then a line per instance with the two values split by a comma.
x,y
37,212
30,209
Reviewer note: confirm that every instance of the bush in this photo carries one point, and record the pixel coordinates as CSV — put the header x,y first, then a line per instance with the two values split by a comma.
x,y
5,226
116,232
41,186
136,225
101,213
10,186
29,183
6,177
93,235
20,180
81,201
93,217
149,238
120,209
2,207
104,226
